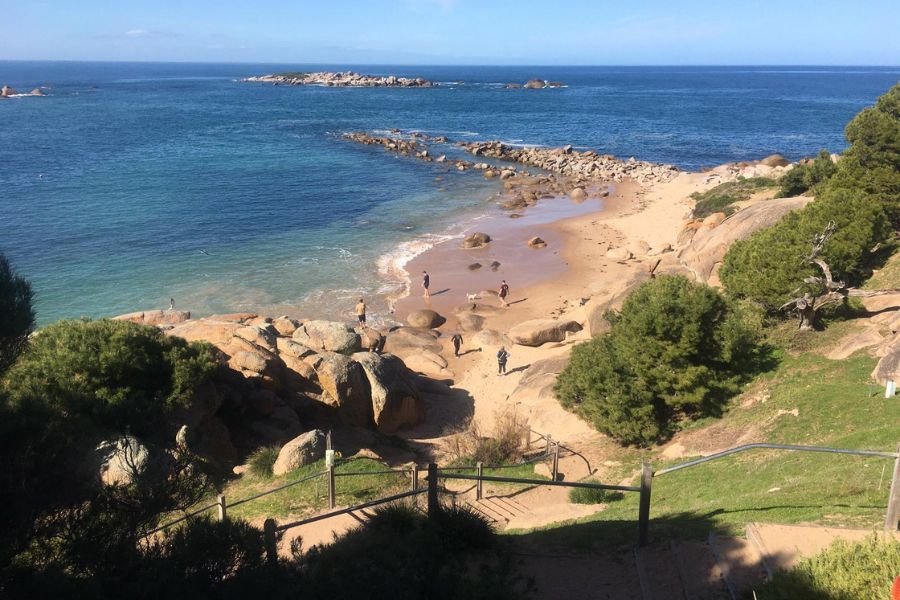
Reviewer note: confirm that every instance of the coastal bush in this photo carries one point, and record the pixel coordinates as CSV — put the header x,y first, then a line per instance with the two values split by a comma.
x,y
872,162
677,349
80,383
16,314
503,446
723,196
109,376
261,461
593,496
770,266
807,176
844,571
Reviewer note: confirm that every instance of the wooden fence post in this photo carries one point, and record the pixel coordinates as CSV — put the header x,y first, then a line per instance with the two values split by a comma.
x,y
414,483
892,519
270,541
220,501
556,461
433,505
331,493
479,485
644,507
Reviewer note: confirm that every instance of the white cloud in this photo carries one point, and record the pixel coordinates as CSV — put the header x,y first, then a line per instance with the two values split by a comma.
x,y
136,33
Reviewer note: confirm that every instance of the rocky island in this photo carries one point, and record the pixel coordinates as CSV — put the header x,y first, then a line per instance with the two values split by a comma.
x,y
339,79
8,92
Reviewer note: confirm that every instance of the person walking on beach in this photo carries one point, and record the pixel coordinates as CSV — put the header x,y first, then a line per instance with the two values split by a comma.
x,y
361,312
171,303
457,342
503,293
502,357
426,282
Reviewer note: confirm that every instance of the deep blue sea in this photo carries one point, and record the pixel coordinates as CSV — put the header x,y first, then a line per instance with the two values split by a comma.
x,y
131,183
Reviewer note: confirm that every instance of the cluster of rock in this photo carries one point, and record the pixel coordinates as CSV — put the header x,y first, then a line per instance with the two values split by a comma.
x,y
282,377
7,92
340,79
535,84
566,161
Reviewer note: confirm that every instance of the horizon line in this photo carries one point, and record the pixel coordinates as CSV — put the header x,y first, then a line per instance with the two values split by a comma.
x,y
434,64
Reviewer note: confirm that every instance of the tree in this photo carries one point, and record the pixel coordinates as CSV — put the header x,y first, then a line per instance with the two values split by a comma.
x,y
772,266
677,349
80,383
16,314
807,176
872,162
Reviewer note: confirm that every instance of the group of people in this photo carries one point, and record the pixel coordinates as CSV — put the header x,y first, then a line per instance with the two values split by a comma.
x,y
502,292
457,339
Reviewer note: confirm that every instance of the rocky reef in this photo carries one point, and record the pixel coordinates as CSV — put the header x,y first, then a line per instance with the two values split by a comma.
x,y
8,92
340,79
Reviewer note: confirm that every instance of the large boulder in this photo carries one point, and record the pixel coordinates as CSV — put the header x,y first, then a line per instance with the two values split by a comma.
x,y
425,318
534,84
405,341
476,240
470,321
304,449
775,160
292,348
345,387
264,337
396,402
541,331
122,460
537,242
428,363
708,246
489,338
285,326
371,339
578,194
155,317
6,91
254,362
329,336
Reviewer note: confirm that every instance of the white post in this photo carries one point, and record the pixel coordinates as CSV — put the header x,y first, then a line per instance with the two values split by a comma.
x,y
890,389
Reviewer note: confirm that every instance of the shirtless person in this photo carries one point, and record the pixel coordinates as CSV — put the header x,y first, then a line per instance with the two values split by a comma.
x,y
361,312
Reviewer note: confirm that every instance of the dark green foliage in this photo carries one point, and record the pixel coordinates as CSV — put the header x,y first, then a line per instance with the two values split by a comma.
x,y
402,554
80,383
769,267
16,315
843,572
593,496
262,460
109,376
676,349
807,176
721,197
872,162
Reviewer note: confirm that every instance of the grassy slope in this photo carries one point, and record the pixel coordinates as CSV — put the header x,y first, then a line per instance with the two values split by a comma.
x,y
312,496
723,196
835,409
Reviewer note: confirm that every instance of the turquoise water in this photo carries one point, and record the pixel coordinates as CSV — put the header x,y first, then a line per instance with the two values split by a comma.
x,y
133,183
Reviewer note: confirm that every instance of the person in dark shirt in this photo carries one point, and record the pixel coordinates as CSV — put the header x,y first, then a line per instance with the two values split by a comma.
x,y
502,357
457,342
426,282
503,293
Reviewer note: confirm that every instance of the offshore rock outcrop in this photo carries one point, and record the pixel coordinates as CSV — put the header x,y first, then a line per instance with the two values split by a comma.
x,y
340,79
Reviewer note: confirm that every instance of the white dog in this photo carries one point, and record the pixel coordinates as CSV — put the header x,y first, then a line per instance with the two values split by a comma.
x,y
471,297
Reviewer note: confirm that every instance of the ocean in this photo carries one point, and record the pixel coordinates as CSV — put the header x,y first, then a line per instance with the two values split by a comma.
x,y
133,183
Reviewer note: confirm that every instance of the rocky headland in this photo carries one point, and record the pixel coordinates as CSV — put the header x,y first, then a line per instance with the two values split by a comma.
x,y
340,79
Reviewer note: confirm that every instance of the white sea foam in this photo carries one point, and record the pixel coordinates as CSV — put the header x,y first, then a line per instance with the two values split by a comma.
x,y
392,265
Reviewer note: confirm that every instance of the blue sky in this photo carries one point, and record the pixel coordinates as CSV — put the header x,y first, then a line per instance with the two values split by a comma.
x,y
544,32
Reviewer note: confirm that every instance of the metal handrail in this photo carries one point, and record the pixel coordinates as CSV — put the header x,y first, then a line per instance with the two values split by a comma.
x,y
182,518
351,509
737,449
385,472
574,484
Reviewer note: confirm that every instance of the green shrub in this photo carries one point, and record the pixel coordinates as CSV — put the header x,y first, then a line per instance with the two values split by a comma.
x,y
676,349
262,460
842,572
721,197
770,266
593,496
16,315
807,176
872,162
110,376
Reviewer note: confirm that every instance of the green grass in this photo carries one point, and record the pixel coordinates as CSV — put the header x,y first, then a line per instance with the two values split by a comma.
x,y
723,196
834,409
842,572
888,277
593,496
312,496
260,463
